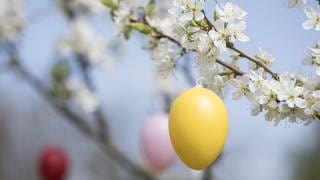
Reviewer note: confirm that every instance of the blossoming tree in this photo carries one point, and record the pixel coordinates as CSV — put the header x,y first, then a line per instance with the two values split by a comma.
x,y
176,30
185,28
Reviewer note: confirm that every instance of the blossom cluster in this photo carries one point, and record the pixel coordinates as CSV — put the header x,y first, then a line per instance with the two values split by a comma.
x,y
292,96
11,19
82,40
83,6
82,95
313,14
185,29
294,3
314,18
182,27
82,44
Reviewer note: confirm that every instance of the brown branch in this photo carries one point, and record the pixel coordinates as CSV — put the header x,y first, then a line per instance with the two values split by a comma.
x,y
207,20
242,54
259,63
159,35
207,174
59,107
78,122
103,130
236,71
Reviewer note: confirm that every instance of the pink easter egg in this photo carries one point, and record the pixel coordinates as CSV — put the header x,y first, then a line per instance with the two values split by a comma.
x,y
155,142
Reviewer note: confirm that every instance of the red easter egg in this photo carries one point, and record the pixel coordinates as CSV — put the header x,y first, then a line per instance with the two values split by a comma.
x,y
53,163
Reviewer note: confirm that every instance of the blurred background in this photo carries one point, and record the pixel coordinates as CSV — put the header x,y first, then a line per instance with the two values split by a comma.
x,y
129,91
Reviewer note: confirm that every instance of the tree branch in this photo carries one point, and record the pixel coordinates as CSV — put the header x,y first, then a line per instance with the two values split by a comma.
x,y
207,174
159,35
237,72
244,55
103,131
80,123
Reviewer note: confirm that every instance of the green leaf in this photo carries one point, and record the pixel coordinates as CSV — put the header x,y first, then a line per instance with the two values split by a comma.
x,y
143,28
299,83
60,72
150,7
127,32
109,3
193,23
202,23
60,91
215,15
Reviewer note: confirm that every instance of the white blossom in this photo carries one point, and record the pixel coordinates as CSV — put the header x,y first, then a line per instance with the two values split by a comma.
x,y
262,89
288,92
11,19
241,84
266,96
257,78
179,32
164,56
313,58
314,18
217,84
274,114
123,13
294,3
235,31
295,115
81,40
83,96
313,107
230,12
218,35
187,10
257,108
263,56
210,75
206,47
91,6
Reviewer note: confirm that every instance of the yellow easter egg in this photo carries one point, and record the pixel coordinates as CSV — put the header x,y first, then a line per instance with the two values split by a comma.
x,y
198,127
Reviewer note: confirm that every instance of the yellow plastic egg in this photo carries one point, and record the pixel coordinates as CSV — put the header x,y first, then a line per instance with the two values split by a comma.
x,y
198,127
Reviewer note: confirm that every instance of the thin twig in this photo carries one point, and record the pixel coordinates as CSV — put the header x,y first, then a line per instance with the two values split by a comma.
x,y
236,71
242,54
60,107
207,174
103,131
207,20
160,35
259,63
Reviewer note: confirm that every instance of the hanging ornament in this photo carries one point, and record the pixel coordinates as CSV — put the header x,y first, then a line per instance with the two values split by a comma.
x,y
155,142
198,127
53,163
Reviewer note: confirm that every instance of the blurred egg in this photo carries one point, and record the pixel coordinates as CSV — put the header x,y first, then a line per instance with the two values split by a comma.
x,y
198,127
155,142
53,163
